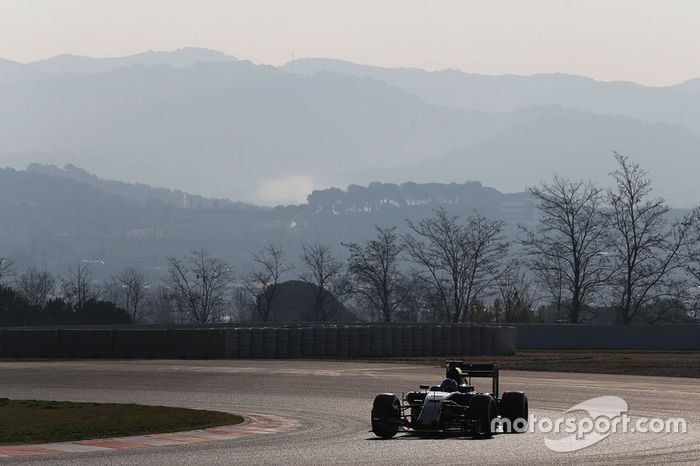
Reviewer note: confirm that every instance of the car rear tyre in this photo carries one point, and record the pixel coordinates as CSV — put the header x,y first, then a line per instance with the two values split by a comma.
x,y
482,409
386,415
514,409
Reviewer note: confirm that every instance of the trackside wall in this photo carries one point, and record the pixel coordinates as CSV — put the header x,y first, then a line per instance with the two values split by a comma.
x,y
280,341
672,337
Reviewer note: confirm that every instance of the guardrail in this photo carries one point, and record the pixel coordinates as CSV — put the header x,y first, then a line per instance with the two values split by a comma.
x,y
293,341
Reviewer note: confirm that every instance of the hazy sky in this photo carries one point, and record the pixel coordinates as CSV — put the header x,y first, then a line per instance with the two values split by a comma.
x,y
649,41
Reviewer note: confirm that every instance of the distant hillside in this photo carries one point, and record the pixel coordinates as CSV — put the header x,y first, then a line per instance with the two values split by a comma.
x,y
691,86
389,203
136,191
203,122
181,58
35,206
578,145
50,221
506,93
226,129
11,71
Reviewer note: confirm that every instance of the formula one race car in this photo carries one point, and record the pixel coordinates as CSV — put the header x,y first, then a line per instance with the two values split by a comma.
x,y
452,407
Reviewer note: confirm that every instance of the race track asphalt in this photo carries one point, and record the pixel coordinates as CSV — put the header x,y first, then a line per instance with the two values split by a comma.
x,y
333,399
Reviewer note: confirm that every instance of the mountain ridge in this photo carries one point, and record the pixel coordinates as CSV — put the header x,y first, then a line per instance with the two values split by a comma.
x,y
135,191
253,123
84,64
263,134
508,92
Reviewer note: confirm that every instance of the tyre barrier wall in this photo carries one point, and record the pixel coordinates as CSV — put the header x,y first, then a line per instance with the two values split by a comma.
x,y
290,341
662,337
294,342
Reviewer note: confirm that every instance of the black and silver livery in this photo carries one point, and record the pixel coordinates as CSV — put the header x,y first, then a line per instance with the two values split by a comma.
x,y
454,406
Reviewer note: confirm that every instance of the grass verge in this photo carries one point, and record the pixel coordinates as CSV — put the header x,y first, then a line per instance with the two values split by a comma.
x,y
667,363
32,421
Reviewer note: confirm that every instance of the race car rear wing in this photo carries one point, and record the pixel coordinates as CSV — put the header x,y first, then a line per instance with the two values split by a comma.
x,y
463,373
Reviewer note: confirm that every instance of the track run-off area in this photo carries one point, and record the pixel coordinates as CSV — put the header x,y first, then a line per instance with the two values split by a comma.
x,y
331,401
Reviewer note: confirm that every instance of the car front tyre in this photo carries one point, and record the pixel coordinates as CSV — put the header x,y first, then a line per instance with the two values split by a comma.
x,y
482,409
515,409
386,415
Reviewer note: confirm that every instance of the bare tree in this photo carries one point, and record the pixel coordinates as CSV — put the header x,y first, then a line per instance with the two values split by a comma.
x,y
244,304
693,268
6,269
201,284
76,285
164,307
567,250
551,280
375,274
270,265
648,252
420,304
674,305
133,288
36,286
515,295
460,261
322,270
692,256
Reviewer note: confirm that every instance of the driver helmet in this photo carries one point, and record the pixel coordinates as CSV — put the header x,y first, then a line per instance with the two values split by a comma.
x,y
448,385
